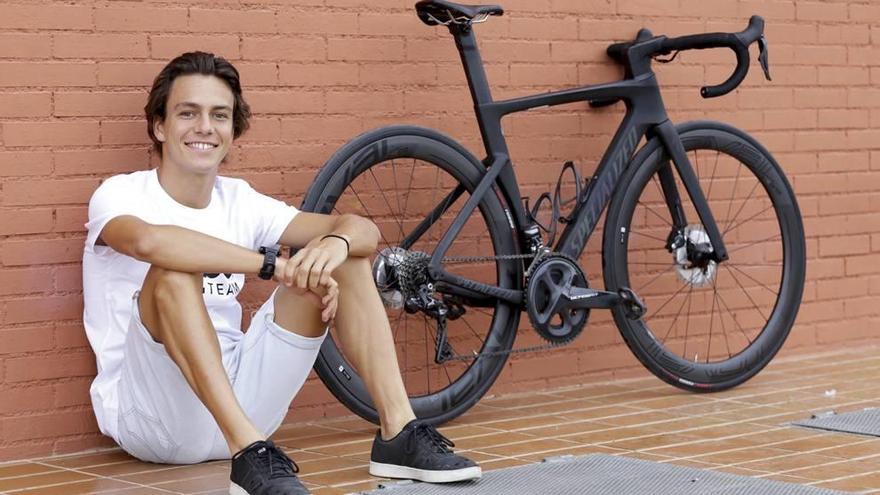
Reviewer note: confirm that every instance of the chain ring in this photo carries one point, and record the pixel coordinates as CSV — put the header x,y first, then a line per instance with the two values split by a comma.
x,y
553,277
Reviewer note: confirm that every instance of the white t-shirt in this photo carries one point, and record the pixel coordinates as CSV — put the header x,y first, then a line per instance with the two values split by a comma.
x,y
237,214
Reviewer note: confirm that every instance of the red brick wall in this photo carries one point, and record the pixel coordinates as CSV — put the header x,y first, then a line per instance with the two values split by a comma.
x,y
73,79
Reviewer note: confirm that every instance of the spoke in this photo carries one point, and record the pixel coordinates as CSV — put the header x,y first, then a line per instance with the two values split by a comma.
x,y
651,210
733,227
435,234
753,279
732,194
723,327
697,166
678,313
397,326
752,264
472,329
396,188
656,264
683,287
773,238
356,195
712,179
648,236
749,296
412,174
724,303
743,205
405,351
643,287
711,321
687,323
388,203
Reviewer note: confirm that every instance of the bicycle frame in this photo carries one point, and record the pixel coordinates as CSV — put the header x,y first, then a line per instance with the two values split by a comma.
x,y
645,116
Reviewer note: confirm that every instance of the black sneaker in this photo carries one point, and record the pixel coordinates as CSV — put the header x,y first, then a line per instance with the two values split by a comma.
x,y
262,469
420,452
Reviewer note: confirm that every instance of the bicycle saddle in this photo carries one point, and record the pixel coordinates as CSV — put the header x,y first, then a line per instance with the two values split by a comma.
x,y
437,12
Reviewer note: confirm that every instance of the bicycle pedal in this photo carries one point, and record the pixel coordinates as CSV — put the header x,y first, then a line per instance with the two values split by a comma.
x,y
633,307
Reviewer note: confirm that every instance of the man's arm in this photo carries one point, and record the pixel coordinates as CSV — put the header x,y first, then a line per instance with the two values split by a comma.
x,y
361,234
177,248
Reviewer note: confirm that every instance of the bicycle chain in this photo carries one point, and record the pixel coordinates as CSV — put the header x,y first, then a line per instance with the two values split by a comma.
x,y
521,350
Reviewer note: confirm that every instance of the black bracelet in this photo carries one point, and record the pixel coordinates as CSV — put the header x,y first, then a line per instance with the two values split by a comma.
x,y
347,245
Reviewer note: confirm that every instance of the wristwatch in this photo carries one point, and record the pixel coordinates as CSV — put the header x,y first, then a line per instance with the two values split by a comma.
x,y
269,256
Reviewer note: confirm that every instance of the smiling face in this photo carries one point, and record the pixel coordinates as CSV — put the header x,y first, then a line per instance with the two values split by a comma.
x,y
197,130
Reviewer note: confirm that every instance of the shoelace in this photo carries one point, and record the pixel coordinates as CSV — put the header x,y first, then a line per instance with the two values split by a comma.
x,y
440,443
274,459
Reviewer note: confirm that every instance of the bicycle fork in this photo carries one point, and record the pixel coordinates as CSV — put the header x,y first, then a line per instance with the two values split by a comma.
x,y
671,141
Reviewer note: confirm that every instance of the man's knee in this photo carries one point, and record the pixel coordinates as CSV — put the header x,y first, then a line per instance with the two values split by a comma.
x,y
354,268
169,286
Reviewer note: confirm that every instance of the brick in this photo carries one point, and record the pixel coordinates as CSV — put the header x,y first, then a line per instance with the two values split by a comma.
x,y
31,221
319,23
406,25
257,74
232,21
768,10
40,252
124,132
843,161
50,133
847,76
864,13
843,118
70,219
25,163
565,28
25,46
100,46
102,161
379,74
846,34
166,47
283,49
320,74
45,17
363,101
80,104
46,308
71,336
821,11
128,73
42,192
820,97
862,264
544,74
356,49
46,74
26,339
26,399
262,130
55,424
529,51
134,17
286,102
304,129
790,119
21,104
17,282
73,393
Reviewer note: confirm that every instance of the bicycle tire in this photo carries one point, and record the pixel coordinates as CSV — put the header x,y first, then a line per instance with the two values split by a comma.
x,y
368,154
758,267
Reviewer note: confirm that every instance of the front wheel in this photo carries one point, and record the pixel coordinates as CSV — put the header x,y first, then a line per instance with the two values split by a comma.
x,y
399,177
709,326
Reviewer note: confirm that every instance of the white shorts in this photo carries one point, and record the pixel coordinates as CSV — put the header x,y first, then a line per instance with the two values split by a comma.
x,y
162,420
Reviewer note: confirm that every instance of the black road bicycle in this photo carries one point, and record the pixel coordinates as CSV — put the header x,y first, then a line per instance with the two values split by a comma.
x,y
703,245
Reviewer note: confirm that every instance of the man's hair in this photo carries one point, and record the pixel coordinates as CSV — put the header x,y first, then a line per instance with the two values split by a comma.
x,y
195,63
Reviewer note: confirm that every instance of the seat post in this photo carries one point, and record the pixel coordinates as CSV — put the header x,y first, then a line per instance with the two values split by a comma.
x,y
466,43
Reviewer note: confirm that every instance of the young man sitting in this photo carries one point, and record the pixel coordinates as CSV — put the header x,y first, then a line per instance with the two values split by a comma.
x,y
164,261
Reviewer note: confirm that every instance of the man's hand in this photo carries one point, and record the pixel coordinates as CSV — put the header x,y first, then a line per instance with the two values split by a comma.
x,y
309,273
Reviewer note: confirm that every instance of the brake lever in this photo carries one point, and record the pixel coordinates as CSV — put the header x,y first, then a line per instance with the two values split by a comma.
x,y
762,56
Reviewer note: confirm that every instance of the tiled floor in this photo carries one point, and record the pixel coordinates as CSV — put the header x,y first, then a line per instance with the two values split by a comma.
x,y
742,431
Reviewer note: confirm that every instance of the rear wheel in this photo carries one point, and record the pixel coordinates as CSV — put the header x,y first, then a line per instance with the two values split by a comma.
x,y
396,176
709,326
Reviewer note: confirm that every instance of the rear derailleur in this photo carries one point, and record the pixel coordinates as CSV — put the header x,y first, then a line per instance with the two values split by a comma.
x,y
440,310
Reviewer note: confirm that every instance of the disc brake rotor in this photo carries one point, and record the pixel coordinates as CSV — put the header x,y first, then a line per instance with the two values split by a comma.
x,y
698,275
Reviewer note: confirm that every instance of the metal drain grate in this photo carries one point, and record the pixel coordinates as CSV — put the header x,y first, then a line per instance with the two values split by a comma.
x,y
866,422
601,474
